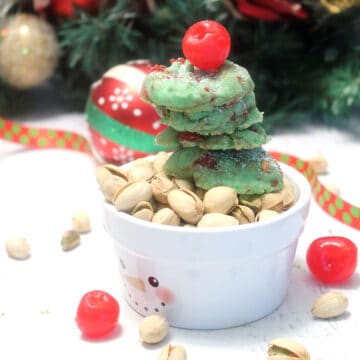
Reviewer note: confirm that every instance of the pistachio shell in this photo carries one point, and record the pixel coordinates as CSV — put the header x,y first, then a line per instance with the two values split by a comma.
x,y
266,215
144,214
166,216
159,161
161,186
330,305
272,201
131,194
220,199
111,186
116,170
140,173
101,173
153,329
143,205
287,349
279,201
243,214
18,247
70,240
170,352
186,204
143,210
217,220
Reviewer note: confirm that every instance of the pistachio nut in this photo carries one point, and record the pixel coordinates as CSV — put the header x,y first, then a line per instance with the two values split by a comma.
x,y
330,305
140,173
172,352
143,205
159,161
287,349
131,194
184,184
70,240
101,173
272,201
243,214
220,199
80,221
252,201
153,329
143,210
186,204
17,247
161,186
166,216
116,170
217,220
111,185
265,215
319,164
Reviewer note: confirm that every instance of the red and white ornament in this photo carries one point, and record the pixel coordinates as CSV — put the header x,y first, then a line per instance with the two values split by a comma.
x,y
117,96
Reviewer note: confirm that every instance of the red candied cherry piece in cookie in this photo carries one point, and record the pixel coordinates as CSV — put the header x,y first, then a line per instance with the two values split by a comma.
x,y
332,259
206,44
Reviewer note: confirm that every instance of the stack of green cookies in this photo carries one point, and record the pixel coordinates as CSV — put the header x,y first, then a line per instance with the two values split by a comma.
x,y
215,126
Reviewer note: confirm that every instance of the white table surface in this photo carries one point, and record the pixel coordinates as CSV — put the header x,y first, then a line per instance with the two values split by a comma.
x,y
39,189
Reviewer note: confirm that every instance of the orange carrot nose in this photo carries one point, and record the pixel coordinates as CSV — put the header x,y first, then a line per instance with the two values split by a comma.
x,y
135,282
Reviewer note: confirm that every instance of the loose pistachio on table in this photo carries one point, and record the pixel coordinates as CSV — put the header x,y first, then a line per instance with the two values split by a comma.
x,y
329,305
172,352
80,221
18,247
287,349
70,240
153,329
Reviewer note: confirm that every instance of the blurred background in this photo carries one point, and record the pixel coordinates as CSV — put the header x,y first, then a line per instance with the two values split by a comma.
x,y
303,55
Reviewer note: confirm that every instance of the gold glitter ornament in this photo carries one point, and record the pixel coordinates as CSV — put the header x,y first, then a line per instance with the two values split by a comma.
x,y
337,6
29,50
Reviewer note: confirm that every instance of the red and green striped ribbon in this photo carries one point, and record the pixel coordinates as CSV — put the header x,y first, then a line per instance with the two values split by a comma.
x,y
331,203
43,138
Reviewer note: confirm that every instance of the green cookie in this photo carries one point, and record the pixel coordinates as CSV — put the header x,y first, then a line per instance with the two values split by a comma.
x,y
249,172
181,87
250,138
225,119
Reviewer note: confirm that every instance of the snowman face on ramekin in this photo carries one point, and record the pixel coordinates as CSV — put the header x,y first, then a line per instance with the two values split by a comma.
x,y
144,290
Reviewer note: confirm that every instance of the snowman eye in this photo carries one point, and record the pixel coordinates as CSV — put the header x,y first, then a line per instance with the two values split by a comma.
x,y
153,281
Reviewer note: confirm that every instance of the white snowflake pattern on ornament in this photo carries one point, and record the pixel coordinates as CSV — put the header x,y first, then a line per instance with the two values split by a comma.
x,y
120,98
